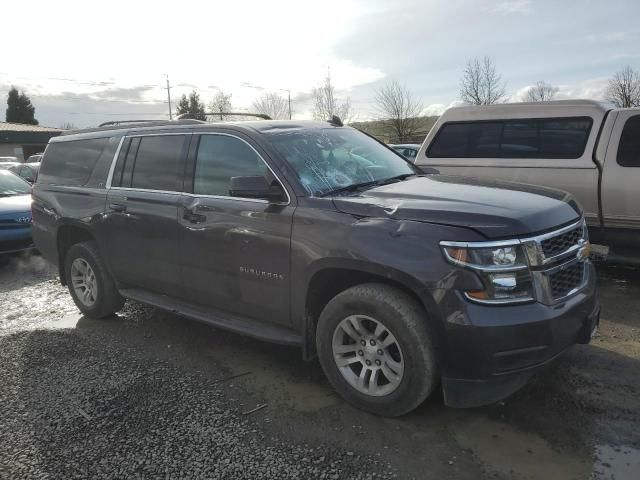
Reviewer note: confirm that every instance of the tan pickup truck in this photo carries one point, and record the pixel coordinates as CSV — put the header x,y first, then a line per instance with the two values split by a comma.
x,y
580,146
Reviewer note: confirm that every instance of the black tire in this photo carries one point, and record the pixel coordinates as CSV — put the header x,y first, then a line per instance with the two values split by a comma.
x,y
108,301
405,318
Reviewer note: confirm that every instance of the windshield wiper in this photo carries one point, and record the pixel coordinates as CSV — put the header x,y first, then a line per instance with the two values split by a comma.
x,y
351,188
397,178
373,183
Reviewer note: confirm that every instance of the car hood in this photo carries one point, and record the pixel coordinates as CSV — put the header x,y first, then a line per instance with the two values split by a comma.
x,y
494,209
17,205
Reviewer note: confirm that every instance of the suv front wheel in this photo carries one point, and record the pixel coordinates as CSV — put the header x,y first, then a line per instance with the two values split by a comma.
x,y
376,348
92,288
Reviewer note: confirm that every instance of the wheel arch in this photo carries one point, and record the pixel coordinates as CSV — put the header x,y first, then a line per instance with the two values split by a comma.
x,y
328,279
67,236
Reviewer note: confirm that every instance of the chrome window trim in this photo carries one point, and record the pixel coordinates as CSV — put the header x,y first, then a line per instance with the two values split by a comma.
x,y
198,195
174,192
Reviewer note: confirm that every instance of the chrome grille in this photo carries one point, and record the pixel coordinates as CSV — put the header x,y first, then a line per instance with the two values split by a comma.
x,y
566,280
557,266
559,244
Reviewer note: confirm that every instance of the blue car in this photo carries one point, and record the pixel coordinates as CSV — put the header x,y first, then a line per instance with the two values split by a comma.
x,y
15,214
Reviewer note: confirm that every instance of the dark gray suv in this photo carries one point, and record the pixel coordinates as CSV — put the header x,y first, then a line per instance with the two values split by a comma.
x,y
316,235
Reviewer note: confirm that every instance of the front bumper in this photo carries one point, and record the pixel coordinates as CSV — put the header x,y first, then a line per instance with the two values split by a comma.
x,y
492,351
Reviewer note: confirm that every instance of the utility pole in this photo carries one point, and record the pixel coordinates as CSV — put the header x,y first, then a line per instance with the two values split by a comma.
x,y
289,95
169,97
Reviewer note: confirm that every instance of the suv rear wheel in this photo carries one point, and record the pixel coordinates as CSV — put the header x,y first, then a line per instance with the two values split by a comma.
x,y
89,282
376,348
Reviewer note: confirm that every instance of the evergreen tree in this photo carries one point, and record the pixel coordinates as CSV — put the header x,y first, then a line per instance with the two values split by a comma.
x,y
192,106
19,108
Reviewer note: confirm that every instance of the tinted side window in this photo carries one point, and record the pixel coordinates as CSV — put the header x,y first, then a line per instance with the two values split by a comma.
x,y
629,148
70,163
515,138
158,164
221,157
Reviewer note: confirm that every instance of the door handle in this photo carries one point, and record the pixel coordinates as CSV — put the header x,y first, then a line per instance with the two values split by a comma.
x,y
118,207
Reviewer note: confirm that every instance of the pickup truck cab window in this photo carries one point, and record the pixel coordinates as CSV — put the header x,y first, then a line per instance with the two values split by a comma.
x,y
629,148
221,157
514,138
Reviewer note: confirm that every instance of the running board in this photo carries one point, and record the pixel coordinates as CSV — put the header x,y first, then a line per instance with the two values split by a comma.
x,y
217,318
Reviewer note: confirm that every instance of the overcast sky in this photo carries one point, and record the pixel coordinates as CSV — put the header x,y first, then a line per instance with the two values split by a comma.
x,y
86,62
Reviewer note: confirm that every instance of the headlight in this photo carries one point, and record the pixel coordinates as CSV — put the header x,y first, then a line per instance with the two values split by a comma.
x,y
501,266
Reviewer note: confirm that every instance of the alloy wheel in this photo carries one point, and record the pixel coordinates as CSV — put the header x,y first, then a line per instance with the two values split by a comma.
x,y
84,282
368,355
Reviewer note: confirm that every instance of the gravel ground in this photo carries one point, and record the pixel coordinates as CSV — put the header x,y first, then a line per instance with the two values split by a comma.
x,y
77,403
153,395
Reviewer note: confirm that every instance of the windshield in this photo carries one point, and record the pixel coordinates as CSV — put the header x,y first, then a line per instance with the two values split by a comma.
x,y
12,185
330,159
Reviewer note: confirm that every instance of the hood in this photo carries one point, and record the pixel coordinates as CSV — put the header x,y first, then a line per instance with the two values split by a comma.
x,y
18,205
495,209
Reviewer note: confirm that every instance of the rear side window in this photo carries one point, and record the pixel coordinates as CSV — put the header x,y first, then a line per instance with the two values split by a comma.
x,y
70,163
221,157
629,148
515,138
158,163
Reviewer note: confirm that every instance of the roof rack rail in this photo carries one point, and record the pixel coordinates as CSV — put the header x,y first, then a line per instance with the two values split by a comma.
x,y
121,122
198,116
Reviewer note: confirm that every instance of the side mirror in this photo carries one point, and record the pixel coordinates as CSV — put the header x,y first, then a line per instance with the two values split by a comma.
x,y
256,187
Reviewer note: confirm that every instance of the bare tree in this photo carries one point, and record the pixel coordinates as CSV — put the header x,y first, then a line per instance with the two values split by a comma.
x,y
541,92
326,104
221,103
481,84
397,104
272,104
624,88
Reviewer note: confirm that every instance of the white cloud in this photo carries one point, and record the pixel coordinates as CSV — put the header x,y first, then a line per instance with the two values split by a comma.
x,y
592,89
282,44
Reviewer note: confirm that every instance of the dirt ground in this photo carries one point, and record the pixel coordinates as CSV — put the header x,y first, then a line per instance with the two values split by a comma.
x,y
578,419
